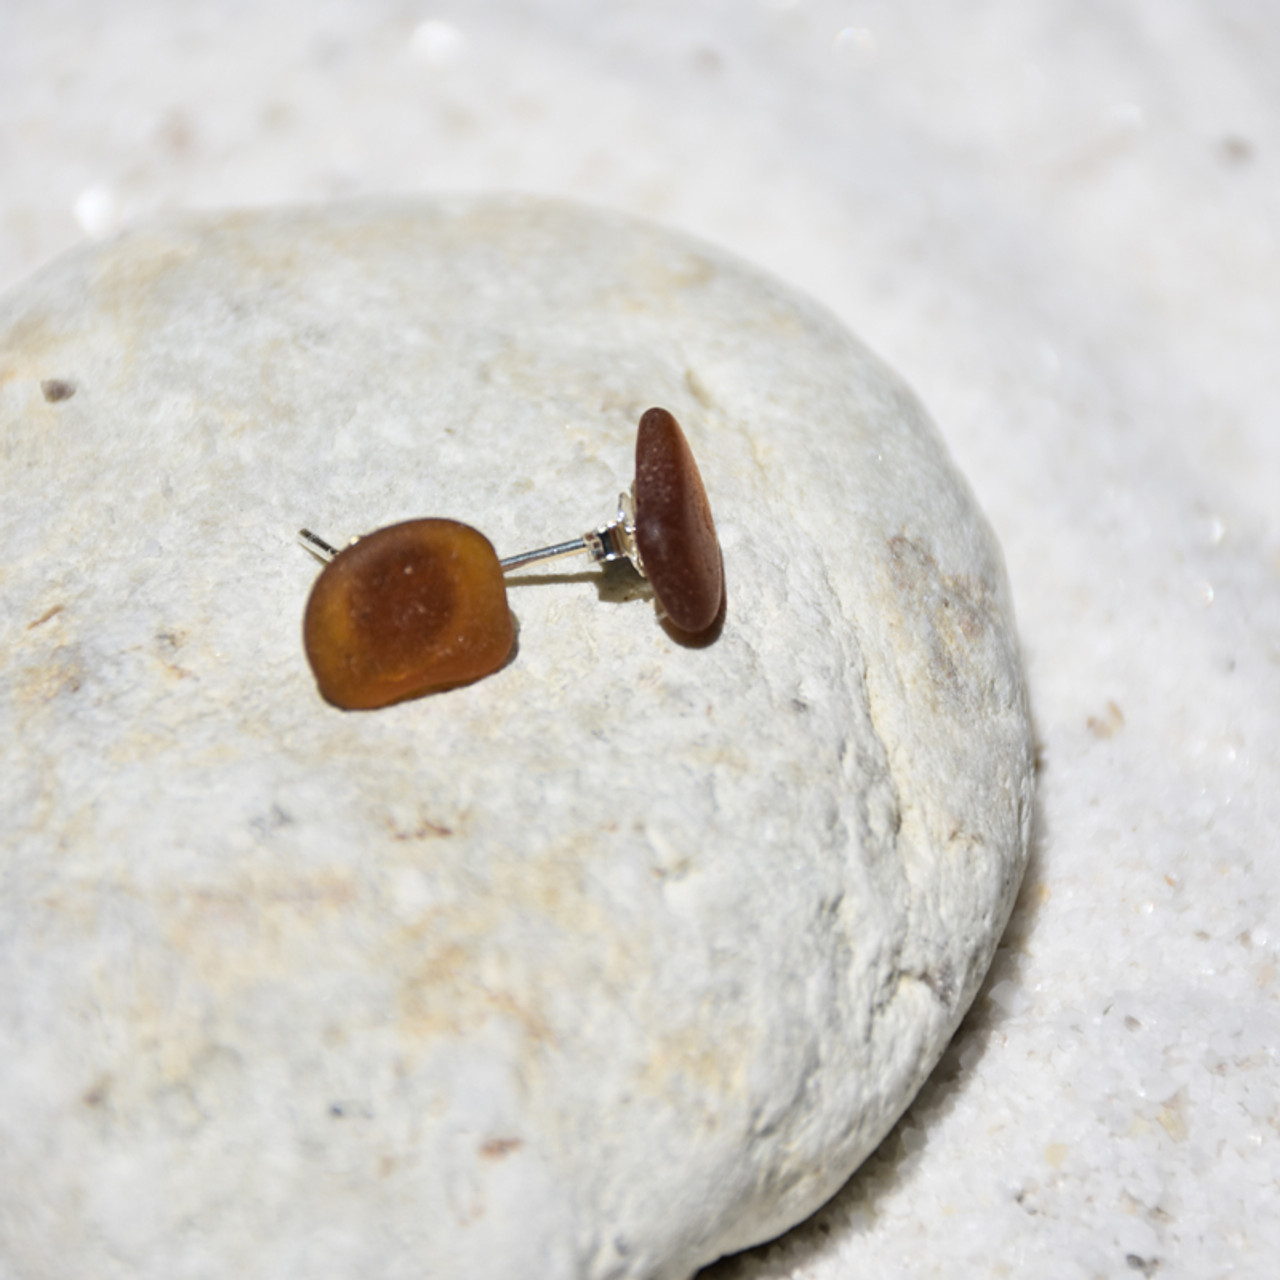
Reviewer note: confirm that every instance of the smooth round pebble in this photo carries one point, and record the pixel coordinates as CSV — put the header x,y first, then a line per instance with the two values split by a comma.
x,y
611,962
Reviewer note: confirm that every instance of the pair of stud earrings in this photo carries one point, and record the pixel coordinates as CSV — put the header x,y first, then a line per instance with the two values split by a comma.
x,y
422,606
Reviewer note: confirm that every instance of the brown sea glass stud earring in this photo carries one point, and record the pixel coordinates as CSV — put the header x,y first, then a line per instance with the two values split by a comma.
x,y
664,527
421,606
410,609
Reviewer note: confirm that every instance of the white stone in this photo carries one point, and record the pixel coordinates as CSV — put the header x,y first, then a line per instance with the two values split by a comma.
x,y
615,961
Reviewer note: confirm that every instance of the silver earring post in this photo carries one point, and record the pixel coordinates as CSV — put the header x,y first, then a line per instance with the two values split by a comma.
x,y
316,545
613,541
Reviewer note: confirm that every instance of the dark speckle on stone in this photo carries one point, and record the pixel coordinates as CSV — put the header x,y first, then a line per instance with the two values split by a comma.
x,y
496,1148
1236,150
56,389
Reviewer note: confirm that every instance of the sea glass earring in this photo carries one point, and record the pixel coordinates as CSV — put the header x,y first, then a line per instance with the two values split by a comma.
x,y
421,606
410,609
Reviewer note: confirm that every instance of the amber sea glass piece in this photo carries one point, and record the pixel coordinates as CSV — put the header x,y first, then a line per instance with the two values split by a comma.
x,y
674,530
408,610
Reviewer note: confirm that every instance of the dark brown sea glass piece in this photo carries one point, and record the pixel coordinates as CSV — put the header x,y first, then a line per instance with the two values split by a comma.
x,y
674,529
408,610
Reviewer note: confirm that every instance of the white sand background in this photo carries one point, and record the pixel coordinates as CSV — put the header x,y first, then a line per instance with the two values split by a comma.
x,y
1061,222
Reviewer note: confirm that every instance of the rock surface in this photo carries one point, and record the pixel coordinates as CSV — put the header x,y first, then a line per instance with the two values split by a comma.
x,y
608,964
